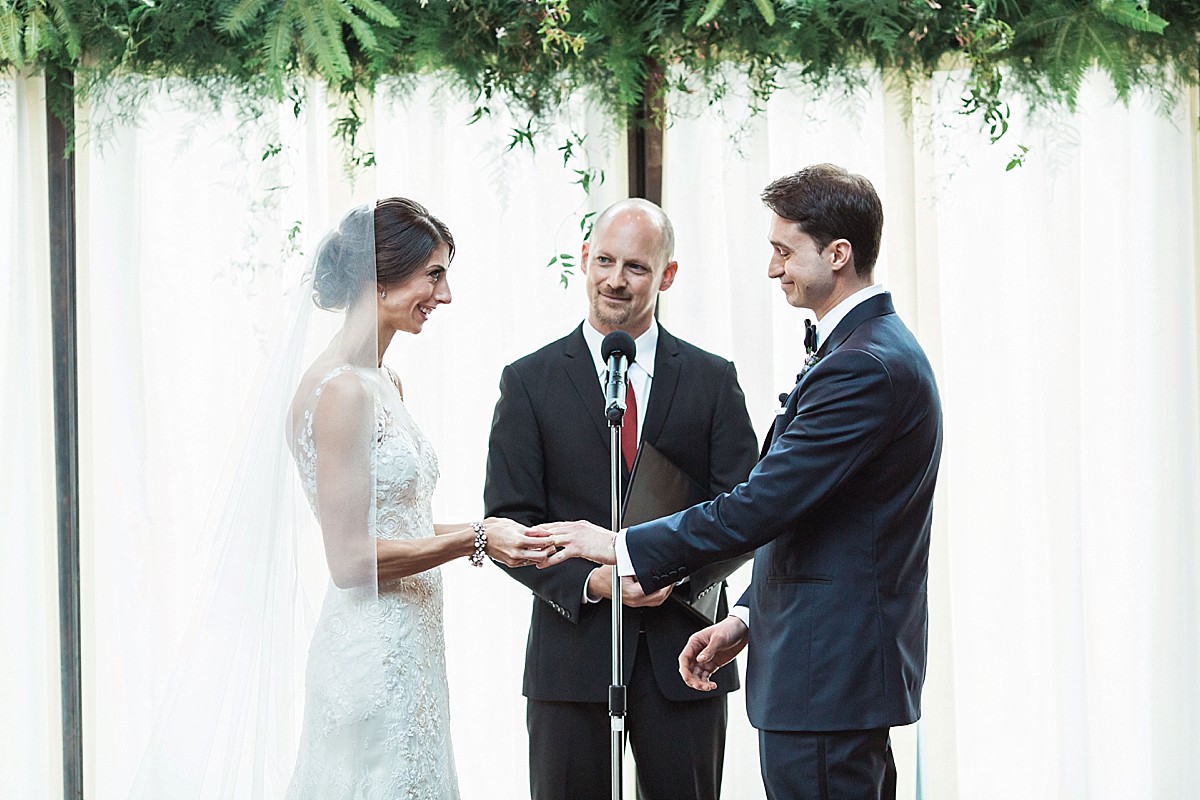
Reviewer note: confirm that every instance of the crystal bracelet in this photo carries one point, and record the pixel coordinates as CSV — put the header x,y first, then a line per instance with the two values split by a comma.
x,y
480,544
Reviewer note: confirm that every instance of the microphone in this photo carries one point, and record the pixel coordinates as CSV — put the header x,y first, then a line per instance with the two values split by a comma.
x,y
618,351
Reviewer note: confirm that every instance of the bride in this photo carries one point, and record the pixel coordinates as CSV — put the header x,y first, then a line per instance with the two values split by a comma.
x,y
375,719
376,711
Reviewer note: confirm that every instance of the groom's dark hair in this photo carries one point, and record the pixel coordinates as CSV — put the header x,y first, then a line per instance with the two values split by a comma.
x,y
831,203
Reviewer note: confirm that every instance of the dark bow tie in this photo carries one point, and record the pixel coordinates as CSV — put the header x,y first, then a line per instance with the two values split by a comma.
x,y
810,351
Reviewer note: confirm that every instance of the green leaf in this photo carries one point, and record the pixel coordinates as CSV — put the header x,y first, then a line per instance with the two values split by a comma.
x,y
1132,14
35,31
10,38
240,17
66,28
280,37
710,12
1018,159
362,31
320,42
767,10
378,12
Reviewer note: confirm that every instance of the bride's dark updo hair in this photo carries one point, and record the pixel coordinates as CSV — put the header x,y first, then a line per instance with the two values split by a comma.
x,y
405,235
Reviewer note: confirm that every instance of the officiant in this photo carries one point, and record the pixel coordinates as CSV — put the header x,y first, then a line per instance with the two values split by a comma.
x,y
548,459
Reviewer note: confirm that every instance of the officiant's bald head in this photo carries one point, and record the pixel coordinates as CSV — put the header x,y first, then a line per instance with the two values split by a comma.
x,y
626,262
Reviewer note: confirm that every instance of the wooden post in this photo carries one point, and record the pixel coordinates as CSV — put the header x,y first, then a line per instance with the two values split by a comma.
x,y
645,136
60,167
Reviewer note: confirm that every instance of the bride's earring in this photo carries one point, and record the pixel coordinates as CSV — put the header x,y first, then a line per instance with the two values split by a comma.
x,y
383,294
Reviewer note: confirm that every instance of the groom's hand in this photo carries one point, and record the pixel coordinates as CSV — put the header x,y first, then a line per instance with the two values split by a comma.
x,y
710,649
580,539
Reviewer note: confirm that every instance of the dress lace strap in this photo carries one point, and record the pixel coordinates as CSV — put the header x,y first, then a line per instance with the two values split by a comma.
x,y
333,373
395,380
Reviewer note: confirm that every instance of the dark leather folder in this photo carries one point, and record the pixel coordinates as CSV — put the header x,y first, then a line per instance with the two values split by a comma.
x,y
658,488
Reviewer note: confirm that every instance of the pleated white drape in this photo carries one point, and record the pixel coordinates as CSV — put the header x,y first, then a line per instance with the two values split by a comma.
x,y
1059,303
30,760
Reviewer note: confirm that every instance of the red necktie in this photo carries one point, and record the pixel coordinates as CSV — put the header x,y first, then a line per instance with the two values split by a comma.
x,y
629,430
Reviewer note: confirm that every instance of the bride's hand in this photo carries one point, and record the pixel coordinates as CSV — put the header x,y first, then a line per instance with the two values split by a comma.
x,y
579,539
515,545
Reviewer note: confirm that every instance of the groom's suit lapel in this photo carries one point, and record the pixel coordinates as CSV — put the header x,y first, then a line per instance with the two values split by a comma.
x,y
877,306
581,370
872,307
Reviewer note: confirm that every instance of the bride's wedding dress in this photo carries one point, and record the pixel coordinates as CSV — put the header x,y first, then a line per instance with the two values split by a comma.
x,y
376,710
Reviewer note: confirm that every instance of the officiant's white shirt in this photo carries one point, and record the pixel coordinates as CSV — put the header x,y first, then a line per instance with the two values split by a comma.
x,y
640,377
641,372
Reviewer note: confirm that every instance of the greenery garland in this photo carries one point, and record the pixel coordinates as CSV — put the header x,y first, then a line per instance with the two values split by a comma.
x,y
534,53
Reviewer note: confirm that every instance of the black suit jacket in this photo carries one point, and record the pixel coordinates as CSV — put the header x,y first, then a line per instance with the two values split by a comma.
x,y
548,460
840,509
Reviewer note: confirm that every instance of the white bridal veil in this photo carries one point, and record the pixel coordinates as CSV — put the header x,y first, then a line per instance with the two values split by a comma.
x,y
230,721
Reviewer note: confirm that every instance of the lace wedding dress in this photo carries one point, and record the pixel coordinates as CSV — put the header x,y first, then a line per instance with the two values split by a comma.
x,y
376,711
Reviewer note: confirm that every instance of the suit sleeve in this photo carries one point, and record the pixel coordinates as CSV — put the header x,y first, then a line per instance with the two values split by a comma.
x,y
841,424
515,487
733,449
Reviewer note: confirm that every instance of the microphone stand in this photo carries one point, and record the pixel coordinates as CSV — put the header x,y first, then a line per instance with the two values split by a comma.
x,y
616,692
618,350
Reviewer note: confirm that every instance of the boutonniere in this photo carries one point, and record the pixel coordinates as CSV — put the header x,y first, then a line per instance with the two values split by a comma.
x,y
809,363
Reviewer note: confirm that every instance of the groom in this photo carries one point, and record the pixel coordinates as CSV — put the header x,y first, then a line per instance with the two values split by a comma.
x,y
839,509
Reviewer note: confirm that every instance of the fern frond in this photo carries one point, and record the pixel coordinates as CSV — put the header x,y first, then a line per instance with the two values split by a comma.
x,y
280,37
239,18
378,12
358,26
321,42
710,12
1133,15
10,38
66,29
767,10
35,31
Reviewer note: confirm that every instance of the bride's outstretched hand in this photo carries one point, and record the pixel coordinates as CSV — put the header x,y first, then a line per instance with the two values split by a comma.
x,y
580,539
514,545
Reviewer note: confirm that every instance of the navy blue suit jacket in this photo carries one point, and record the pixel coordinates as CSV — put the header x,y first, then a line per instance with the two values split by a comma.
x,y
839,510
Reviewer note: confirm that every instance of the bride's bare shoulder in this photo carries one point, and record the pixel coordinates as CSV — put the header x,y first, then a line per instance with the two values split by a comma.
x,y
339,391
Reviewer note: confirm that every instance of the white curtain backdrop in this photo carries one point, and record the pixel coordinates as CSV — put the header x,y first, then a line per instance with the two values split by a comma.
x,y
29,684
1059,303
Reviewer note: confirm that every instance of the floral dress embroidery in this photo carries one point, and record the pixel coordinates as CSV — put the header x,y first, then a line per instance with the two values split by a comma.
x,y
376,713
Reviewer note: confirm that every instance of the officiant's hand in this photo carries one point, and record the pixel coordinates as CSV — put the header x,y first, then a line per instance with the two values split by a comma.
x,y
580,539
600,585
514,545
710,649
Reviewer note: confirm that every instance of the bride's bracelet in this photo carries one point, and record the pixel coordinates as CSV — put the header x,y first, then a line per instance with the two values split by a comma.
x,y
480,544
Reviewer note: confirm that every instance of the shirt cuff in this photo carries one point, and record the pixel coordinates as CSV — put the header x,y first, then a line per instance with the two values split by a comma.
x,y
587,598
742,613
624,564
